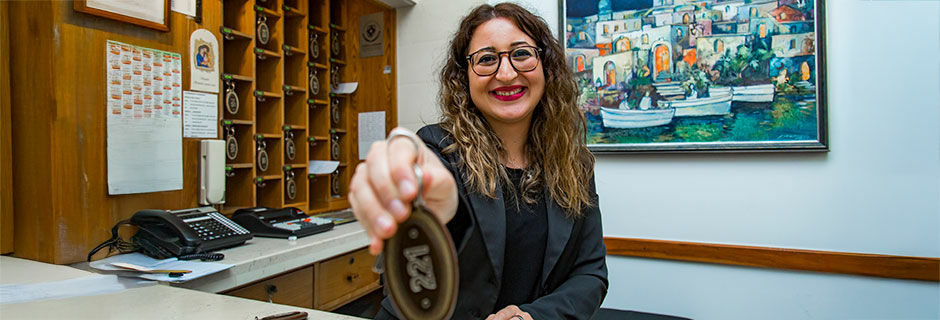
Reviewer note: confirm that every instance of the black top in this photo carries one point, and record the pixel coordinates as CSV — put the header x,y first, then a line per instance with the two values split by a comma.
x,y
526,232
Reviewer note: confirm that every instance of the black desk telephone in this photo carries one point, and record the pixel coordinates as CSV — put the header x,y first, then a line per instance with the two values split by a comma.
x,y
280,223
189,233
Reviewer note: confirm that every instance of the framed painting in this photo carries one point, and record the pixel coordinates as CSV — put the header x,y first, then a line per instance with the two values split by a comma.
x,y
704,75
152,14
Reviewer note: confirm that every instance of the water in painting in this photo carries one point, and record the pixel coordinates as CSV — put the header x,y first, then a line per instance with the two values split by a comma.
x,y
676,71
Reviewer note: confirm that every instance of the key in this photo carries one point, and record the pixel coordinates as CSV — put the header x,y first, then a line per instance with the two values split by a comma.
x,y
420,262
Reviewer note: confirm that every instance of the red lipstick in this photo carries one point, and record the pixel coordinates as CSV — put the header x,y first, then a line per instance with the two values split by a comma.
x,y
508,93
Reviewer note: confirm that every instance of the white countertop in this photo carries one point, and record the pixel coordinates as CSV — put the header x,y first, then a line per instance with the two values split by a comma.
x,y
261,258
148,302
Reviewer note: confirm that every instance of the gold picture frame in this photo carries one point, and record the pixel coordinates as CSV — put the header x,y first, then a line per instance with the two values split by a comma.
x,y
146,13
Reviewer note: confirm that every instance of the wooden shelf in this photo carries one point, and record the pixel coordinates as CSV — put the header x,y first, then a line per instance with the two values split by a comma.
x,y
317,175
237,122
317,101
295,204
342,164
317,65
337,61
266,94
339,95
337,28
270,177
264,54
236,77
293,127
339,131
293,51
267,12
232,34
294,166
270,135
317,29
289,89
292,12
319,138
239,165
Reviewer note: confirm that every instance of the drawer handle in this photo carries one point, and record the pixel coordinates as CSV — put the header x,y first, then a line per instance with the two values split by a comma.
x,y
352,277
271,290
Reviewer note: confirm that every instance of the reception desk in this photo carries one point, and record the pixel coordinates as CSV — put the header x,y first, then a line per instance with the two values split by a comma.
x,y
322,271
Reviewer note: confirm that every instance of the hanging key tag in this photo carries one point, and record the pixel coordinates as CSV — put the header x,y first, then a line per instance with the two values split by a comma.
x,y
264,34
314,45
420,261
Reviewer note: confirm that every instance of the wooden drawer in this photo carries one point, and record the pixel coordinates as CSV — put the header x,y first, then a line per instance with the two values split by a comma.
x,y
293,288
344,278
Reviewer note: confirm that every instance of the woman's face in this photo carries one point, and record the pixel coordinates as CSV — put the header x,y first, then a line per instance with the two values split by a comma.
x,y
508,96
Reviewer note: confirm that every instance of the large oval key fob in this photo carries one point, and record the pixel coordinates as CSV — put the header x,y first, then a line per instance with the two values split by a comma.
x,y
421,268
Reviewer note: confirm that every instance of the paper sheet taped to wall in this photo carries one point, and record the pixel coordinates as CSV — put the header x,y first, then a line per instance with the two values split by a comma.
x,y
145,143
371,129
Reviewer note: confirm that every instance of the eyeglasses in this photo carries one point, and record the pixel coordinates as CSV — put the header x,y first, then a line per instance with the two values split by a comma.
x,y
486,62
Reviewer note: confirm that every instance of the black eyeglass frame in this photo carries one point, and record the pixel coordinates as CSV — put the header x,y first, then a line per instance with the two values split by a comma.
x,y
499,63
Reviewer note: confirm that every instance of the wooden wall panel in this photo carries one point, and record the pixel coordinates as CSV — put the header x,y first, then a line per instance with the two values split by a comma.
x,y
59,127
6,150
377,90
875,265
32,115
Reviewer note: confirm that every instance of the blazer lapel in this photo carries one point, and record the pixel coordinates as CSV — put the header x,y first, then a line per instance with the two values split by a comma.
x,y
559,230
491,217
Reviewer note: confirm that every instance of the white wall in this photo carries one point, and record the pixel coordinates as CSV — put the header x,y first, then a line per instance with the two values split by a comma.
x,y
877,191
424,32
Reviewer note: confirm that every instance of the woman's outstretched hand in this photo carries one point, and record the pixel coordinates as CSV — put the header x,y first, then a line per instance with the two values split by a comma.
x,y
383,187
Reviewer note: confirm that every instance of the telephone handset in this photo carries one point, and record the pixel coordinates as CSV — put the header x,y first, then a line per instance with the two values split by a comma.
x,y
184,234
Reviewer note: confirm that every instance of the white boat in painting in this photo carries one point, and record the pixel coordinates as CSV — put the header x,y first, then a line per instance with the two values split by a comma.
x,y
715,104
719,91
755,93
628,119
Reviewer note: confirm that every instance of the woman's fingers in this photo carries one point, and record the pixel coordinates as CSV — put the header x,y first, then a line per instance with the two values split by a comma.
x,y
402,155
382,184
441,188
375,219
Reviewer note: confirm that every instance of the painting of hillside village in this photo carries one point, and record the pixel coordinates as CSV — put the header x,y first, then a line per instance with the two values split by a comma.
x,y
668,75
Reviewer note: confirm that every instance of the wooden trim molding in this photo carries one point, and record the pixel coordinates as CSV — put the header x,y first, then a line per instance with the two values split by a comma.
x,y
874,265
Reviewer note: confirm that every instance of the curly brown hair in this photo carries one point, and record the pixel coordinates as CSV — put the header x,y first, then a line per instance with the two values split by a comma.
x,y
556,147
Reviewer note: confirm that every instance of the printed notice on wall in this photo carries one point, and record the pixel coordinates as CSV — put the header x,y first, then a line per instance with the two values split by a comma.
x,y
371,129
145,143
200,115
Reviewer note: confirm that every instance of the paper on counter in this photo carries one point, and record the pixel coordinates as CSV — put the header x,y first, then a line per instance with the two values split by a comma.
x,y
322,167
346,87
198,268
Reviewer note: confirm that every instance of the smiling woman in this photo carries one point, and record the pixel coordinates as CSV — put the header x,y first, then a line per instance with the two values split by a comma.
x,y
506,170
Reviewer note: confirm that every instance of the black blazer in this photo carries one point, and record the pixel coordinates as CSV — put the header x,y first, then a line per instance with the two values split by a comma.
x,y
574,272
